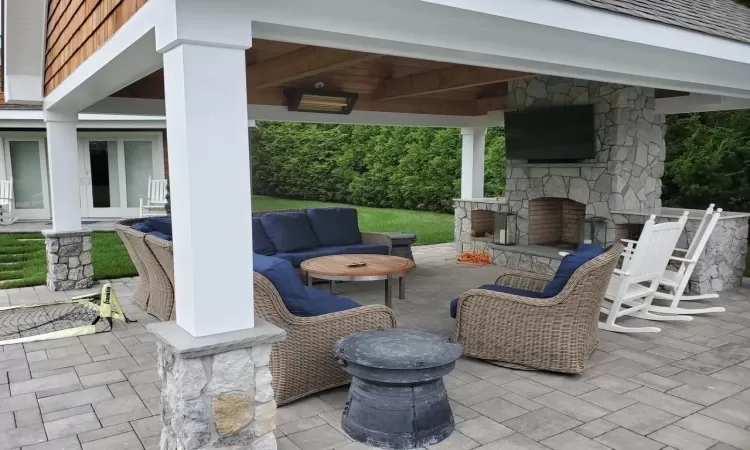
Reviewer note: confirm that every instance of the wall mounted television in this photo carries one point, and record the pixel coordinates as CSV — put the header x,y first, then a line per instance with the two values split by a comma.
x,y
551,134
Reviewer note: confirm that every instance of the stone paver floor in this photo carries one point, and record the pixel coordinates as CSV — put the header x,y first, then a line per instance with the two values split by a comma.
x,y
685,388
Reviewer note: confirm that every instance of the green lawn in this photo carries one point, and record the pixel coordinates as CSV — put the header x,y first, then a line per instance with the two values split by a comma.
x,y
23,260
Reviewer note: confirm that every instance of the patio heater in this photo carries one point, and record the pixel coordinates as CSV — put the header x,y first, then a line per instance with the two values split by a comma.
x,y
595,231
506,229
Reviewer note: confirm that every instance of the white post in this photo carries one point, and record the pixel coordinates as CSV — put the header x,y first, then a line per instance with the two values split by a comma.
x,y
62,155
472,162
209,168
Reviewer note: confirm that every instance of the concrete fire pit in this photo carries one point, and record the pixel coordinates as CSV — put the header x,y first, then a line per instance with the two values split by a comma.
x,y
397,399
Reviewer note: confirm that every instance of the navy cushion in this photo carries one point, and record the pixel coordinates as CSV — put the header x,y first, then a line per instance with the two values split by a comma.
x,y
285,256
361,249
142,227
160,235
497,288
335,226
299,299
161,224
289,232
261,243
570,264
299,257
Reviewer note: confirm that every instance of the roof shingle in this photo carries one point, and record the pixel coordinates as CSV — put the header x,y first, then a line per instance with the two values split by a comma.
x,y
724,18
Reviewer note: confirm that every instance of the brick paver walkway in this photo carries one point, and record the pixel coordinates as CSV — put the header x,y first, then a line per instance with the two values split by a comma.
x,y
685,388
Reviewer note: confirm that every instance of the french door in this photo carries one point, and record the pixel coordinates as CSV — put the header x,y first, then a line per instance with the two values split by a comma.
x,y
115,172
26,164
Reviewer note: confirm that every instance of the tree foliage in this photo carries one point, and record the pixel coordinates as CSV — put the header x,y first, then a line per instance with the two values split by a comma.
x,y
388,167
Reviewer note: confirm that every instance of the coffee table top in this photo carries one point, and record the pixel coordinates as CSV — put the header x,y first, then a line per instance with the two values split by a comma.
x,y
377,265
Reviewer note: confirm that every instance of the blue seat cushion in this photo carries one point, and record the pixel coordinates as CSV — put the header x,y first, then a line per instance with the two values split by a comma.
x,y
160,235
569,265
335,226
161,224
289,232
362,249
142,227
299,299
296,258
497,288
261,243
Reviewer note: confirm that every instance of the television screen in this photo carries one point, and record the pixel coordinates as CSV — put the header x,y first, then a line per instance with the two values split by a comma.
x,y
558,133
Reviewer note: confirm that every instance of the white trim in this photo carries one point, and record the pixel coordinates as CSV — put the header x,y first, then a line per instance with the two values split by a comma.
x,y
24,25
14,118
699,103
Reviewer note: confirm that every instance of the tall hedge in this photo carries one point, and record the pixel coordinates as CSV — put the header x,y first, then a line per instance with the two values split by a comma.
x,y
389,167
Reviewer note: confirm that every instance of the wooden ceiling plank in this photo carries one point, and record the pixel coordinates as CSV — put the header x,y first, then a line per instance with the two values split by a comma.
x,y
444,80
305,62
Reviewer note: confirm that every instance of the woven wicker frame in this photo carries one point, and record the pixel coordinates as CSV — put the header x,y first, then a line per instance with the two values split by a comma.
x,y
556,334
141,294
162,250
304,363
160,299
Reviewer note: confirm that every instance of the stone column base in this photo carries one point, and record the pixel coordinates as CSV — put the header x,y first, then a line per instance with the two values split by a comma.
x,y
216,390
69,264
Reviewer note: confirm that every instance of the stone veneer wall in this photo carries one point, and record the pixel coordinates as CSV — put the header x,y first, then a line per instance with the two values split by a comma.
x,y
630,151
223,400
69,264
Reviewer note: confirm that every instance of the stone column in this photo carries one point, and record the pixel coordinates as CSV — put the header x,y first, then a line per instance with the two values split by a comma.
x,y
216,390
69,264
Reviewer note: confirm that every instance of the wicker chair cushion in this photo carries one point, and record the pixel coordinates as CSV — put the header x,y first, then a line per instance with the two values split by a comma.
x,y
335,226
142,227
289,232
569,265
300,300
261,244
497,288
160,224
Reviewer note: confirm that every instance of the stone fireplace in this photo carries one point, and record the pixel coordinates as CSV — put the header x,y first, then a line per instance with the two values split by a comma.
x,y
618,188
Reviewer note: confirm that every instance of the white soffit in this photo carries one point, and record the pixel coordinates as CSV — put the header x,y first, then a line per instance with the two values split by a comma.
x,y
699,103
23,50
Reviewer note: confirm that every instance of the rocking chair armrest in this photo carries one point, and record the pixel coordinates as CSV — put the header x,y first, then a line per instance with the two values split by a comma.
x,y
681,250
528,281
677,258
621,272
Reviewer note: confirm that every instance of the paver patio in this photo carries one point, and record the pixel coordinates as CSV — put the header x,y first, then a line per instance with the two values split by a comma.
x,y
685,388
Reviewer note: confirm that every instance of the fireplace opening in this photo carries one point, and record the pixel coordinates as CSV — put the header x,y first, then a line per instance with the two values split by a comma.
x,y
556,222
482,224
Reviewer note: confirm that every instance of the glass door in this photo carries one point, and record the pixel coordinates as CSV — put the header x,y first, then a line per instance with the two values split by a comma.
x,y
27,161
117,173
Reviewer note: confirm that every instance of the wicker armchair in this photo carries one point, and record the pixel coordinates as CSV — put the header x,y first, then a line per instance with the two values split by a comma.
x,y
155,293
556,334
303,364
162,250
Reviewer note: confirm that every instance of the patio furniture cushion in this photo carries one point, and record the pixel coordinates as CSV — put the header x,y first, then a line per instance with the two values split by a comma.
x,y
289,232
570,264
362,249
142,227
296,258
335,226
161,224
299,299
261,244
497,288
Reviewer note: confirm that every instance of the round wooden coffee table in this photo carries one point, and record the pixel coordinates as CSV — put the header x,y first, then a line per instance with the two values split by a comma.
x,y
377,267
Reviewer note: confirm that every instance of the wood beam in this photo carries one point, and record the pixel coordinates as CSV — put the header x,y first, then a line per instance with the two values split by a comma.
x,y
302,63
443,80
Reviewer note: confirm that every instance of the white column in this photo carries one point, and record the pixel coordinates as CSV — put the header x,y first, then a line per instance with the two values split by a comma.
x,y
209,168
472,162
62,157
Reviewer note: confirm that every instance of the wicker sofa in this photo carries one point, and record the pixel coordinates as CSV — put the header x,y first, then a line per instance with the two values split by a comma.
x,y
556,334
304,363
155,293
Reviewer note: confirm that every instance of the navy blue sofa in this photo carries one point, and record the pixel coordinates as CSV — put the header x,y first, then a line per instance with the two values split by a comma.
x,y
299,235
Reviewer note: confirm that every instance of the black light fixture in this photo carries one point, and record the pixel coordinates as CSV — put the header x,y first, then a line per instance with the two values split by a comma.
x,y
595,231
319,101
506,229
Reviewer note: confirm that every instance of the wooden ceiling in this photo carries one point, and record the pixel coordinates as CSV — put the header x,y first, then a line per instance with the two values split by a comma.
x,y
384,83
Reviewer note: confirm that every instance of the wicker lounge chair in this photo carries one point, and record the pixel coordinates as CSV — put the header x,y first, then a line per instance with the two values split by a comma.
x,y
556,334
303,364
155,293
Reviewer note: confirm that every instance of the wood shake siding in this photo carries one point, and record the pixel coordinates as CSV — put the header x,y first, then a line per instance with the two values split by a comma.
x,y
76,29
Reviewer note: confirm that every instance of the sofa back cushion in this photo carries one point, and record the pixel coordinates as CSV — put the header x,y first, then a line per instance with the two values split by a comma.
x,y
299,299
569,265
289,232
335,226
261,243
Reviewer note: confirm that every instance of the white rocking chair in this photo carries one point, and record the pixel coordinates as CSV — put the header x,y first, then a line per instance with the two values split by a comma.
x,y
156,199
632,288
6,202
677,281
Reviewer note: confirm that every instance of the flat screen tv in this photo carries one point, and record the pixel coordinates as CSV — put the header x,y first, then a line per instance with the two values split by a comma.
x,y
551,134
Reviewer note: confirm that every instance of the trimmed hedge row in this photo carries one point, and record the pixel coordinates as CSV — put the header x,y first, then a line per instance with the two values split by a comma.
x,y
379,166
